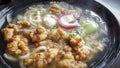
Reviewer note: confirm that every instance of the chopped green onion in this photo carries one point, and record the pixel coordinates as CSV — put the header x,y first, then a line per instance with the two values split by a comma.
x,y
67,41
90,27
71,34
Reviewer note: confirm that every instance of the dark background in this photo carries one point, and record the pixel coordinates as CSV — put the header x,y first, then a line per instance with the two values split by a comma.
x,y
3,2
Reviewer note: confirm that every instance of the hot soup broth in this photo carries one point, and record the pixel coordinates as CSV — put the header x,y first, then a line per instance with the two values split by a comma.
x,y
57,35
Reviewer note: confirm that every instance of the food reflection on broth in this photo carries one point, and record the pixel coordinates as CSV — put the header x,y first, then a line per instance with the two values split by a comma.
x,y
57,35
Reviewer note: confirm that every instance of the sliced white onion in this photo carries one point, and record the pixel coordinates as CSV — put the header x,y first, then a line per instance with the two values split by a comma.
x,y
9,57
39,49
35,21
24,56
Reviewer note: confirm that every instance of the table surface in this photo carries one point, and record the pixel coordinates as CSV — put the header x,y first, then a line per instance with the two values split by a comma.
x,y
114,7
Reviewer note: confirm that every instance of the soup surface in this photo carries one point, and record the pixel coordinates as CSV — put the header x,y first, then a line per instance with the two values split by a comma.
x,y
55,35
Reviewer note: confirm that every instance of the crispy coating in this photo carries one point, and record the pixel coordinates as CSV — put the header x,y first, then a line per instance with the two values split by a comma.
x,y
39,35
24,23
36,60
66,63
58,53
57,34
55,9
8,33
15,27
79,50
76,41
66,60
18,46
41,59
11,30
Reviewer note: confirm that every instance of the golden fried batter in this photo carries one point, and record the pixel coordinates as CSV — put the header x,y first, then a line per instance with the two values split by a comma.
x,y
56,52
18,46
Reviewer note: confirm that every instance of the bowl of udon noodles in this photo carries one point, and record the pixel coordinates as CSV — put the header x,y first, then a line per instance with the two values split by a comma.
x,y
58,34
